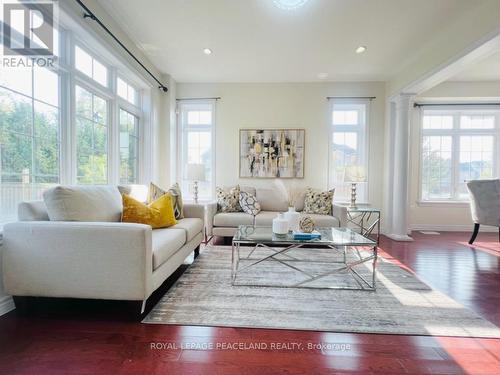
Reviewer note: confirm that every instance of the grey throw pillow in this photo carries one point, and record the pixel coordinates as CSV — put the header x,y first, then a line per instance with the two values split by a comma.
x,y
318,202
249,203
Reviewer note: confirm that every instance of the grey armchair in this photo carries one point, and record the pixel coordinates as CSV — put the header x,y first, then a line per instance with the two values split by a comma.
x,y
484,204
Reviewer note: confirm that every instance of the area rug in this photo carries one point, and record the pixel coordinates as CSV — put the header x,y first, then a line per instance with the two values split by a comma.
x,y
401,304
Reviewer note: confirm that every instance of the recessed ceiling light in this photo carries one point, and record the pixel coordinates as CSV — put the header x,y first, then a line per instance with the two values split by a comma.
x,y
207,51
289,4
322,75
361,49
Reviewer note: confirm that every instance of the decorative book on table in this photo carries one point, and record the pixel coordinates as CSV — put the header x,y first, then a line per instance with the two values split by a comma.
x,y
297,235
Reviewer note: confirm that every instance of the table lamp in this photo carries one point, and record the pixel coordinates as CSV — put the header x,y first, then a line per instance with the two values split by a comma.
x,y
354,174
195,173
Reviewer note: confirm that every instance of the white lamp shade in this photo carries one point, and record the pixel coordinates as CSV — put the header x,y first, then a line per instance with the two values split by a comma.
x,y
354,174
195,172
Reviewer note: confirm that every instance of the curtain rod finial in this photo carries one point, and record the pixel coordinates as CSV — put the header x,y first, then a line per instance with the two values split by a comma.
x,y
163,88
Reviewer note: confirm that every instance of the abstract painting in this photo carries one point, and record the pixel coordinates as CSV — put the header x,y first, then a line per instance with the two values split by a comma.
x,y
272,153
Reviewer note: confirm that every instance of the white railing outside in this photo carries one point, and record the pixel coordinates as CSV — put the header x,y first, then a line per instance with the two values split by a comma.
x,y
13,193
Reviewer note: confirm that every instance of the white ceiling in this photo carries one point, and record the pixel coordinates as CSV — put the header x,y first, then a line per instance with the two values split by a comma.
x,y
254,41
485,70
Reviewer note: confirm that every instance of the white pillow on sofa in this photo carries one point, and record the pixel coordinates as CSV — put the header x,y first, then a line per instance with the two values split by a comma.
x,y
272,200
138,192
84,203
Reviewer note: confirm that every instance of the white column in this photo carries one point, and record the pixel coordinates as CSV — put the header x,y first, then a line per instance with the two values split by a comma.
x,y
398,175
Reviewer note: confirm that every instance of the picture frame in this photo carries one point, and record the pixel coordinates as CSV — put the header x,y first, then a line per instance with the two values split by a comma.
x,y
271,153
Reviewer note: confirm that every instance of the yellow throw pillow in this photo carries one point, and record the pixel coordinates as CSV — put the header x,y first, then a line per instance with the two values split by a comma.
x,y
158,214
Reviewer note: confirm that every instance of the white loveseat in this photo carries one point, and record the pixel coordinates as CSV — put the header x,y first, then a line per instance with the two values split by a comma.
x,y
95,260
272,202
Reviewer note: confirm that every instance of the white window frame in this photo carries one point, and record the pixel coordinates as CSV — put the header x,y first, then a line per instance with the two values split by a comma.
x,y
456,112
140,134
137,99
69,77
114,102
181,142
362,130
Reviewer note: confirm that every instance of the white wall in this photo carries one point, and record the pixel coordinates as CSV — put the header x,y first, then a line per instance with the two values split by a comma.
x,y
289,105
458,37
443,216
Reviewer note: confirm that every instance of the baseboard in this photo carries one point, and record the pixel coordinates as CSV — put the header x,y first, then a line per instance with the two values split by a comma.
x,y
399,237
6,305
452,228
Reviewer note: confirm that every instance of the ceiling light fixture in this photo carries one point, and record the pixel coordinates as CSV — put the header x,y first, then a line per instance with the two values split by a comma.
x,y
289,4
207,51
322,75
361,49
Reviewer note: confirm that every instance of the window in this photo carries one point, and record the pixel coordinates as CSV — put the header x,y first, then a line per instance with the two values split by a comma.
x,y
92,138
197,124
126,91
348,145
67,126
129,144
29,136
457,145
88,65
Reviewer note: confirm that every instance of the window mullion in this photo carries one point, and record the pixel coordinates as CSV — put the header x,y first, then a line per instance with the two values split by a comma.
x,y
113,132
455,156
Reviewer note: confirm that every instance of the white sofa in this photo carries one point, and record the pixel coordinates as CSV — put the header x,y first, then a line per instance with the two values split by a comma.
x,y
95,260
272,201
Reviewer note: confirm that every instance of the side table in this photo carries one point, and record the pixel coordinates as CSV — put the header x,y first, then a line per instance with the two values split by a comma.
x,y
366,219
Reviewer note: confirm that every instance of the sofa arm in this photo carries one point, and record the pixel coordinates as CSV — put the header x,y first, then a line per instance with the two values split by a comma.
x,y
209,223
194,210
340,212
78,260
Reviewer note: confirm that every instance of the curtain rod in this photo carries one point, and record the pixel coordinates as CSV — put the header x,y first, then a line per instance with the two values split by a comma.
x,y
351,97
451,104
92,16
215,98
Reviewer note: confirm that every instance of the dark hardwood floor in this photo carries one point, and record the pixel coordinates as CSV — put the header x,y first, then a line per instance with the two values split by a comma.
x,y
95,337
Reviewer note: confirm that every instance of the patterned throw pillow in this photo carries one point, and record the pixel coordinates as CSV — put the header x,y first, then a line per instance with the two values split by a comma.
x,y
249,203
228,201
156,192
318,202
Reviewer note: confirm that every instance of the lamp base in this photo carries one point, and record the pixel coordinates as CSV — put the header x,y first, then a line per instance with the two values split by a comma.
x,y
195,191
353,196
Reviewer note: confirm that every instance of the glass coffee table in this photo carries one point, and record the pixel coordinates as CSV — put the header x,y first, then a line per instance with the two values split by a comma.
x,y
340,259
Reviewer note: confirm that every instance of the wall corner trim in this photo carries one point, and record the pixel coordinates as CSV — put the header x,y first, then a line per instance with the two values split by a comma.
x,y
6,305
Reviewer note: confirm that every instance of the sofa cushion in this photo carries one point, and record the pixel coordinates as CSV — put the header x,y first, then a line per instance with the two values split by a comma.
x,y
84,203
32,211
165,243
271,200
265,218
138,192
232,219
191,225
299,200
